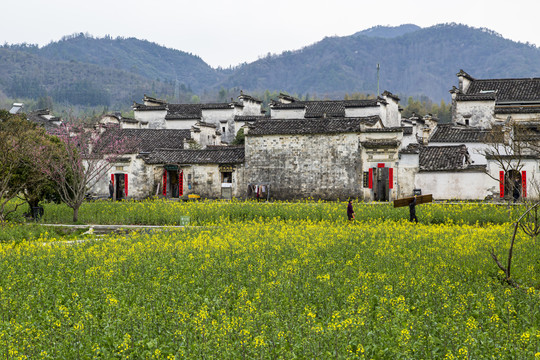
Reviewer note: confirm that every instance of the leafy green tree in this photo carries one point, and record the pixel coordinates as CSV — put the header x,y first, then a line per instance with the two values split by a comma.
x,y
19,178
240,138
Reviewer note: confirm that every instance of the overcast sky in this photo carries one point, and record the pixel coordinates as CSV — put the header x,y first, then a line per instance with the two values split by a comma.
x,y
227,33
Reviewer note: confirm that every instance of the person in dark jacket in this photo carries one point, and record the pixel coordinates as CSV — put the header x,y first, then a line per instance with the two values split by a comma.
x,y
111,189
412,210
350,211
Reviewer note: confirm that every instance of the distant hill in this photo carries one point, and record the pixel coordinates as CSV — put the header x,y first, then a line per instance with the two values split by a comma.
x,y
388,31
140,57
418,62
83,70
414,61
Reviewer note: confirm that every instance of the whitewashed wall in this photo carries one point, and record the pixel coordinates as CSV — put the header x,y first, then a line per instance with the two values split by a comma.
x,y
460,185
362,111
405,175
181,123
140,179
393,115
531,167
155,118
287,113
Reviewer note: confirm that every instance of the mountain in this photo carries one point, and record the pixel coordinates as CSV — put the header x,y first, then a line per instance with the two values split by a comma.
x,y
419,62
388,31
140,57
82,70
87,71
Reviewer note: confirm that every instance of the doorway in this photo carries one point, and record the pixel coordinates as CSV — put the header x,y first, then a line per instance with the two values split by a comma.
x,y
173,182
120,186
513,184
381,182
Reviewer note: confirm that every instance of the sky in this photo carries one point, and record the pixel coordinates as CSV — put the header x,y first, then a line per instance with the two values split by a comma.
x,y
227,33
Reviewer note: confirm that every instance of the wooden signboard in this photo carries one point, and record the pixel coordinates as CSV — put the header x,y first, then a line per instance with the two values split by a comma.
x,y
420,199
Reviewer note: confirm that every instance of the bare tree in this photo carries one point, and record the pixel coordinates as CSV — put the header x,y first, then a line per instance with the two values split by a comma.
x,y
88,154
509,146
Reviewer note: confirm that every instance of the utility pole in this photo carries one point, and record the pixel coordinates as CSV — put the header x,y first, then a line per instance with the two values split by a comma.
x,y
378,69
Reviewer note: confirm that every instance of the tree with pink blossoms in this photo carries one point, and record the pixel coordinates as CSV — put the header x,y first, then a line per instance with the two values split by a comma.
x,y
88,155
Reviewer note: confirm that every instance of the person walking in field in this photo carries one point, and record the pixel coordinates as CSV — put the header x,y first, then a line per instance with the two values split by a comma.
x,y
412,210
350,211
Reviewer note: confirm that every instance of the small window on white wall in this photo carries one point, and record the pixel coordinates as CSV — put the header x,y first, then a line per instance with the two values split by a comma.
x,y
223,129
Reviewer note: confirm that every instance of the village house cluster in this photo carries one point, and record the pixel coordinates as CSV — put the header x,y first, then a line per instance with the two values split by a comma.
x,y
331,149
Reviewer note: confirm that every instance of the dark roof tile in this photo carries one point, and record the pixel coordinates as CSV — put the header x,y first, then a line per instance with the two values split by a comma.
x,y
437,158
310,126
215,155
146,140
448,133
330,108
507,90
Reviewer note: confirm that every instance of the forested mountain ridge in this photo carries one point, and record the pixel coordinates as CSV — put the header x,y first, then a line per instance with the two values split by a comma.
x,y
141,57
414,61
421,62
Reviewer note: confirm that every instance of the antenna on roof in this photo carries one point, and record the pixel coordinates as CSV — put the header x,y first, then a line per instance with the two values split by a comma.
x,y
378,69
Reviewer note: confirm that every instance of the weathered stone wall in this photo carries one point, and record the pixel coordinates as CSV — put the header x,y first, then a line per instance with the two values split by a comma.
x,y
206,181
301,166
479,113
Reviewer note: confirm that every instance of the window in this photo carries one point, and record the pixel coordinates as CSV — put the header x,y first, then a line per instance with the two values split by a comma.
x,y
223,128
226,177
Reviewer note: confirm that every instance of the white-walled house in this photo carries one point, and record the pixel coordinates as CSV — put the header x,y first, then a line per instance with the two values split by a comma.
x,y
385,107
452,161
161,115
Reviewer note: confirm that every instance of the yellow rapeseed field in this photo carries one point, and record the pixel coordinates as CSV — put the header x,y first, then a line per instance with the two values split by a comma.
x,y
274,281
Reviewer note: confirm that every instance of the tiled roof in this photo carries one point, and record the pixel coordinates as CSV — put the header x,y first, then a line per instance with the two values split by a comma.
x,y
508,90
186,111
217,155
476,97
377,144
310,126
147,140
249,117
437,158
448,133
249,97
388,129
330,108
413,148
142,107
217,106
517,109
39,117
183,111
407,130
